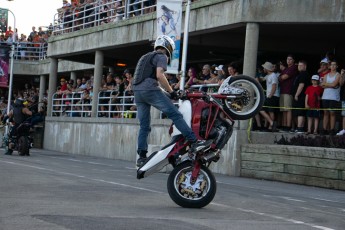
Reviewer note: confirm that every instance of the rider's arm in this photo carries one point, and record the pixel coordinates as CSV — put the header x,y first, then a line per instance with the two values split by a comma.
x,y
26,111
163,80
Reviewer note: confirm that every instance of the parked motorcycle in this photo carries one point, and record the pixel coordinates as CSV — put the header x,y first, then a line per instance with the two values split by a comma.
x,y
21,139
191,184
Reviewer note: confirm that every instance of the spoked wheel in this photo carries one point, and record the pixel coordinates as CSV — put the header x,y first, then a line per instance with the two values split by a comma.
x,y
191,195
23,146
249,103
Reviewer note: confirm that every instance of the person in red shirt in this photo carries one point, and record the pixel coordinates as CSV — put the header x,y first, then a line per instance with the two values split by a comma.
x,y
312,103
9,32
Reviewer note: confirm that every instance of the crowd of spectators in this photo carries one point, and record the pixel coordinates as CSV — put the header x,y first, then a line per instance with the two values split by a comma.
x,y
296,101
115,97
78,14
28,47
300,102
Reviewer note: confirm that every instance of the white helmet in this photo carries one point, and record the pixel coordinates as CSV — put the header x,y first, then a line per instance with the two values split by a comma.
x,y
165,42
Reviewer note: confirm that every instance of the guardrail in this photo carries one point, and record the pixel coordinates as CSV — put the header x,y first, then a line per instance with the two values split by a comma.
x,y
74,104
69,19
33,51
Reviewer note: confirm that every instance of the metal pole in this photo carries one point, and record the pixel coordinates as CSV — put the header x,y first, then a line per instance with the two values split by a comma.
x,y
11,66
185,45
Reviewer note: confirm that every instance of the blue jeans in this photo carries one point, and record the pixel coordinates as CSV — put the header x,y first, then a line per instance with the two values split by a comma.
x,y
144,99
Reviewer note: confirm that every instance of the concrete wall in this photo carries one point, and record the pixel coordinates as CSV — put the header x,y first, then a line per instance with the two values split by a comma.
x,y
117,139
43,67
322,167
205,15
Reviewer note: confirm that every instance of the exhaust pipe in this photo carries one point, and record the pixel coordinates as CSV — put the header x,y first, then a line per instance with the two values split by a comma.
x,y
212,156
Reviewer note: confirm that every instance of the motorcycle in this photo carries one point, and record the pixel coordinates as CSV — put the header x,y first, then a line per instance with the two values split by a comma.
x,y
21,139
191,184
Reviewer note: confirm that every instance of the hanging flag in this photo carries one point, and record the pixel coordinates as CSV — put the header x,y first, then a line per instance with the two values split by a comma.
x,y
3,20
169,18
4,65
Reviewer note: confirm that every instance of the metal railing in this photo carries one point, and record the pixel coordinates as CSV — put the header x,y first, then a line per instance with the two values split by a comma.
x,y
33,51
73,18
109,105
70,105
73,105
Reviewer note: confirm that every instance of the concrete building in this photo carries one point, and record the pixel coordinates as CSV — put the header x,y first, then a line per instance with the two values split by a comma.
x,y
220,31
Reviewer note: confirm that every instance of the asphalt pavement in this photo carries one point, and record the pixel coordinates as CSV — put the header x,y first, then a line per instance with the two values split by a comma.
x,y
59,191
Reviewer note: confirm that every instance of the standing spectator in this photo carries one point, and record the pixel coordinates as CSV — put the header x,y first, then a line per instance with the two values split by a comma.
x,y
298,92
117,98
40,31
342,98
330,98
234,69
272,95
9,32
286,80
312,103
323,70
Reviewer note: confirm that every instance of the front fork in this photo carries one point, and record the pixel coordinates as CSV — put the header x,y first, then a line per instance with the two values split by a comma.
x,y
195,172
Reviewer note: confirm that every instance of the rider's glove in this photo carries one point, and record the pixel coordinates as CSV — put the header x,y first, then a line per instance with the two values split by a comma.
x,y
174,95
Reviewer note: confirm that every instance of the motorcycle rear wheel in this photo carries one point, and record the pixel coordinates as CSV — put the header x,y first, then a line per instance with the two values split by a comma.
x,y
248,106
23,145
186,194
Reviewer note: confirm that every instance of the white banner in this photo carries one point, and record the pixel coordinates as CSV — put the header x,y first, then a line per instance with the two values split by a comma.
x,y
169,20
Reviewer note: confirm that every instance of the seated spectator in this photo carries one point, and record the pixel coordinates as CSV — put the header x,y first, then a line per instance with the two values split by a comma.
x,y
192,77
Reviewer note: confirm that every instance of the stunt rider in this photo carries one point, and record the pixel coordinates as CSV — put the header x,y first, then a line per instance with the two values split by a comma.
x,y
17,115
149,73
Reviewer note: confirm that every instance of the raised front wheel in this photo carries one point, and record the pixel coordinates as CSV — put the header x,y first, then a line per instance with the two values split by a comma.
x,y
249,103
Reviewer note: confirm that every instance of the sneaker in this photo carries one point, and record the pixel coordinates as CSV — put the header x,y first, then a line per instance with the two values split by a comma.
x,y
342,132
299,130
141,161
200,145
293,131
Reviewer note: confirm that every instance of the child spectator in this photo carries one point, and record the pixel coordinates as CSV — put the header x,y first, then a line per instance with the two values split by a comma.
x,y
312,103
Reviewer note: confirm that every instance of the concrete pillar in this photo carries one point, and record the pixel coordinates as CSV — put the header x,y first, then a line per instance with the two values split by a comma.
x,y
251,49
250,57
42,90
98,71
52,83
73,77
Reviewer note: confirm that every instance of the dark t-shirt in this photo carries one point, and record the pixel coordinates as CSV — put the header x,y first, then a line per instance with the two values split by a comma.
x,y
159,60
302,77
286,85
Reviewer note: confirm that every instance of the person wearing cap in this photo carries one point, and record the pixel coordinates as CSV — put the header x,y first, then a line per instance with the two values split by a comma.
x,y
286,79
342,98
272,95
330,98
313,95
324,68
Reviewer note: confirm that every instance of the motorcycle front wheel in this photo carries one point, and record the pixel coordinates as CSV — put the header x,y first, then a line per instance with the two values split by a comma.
x,y
187,194
249,103
23,145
